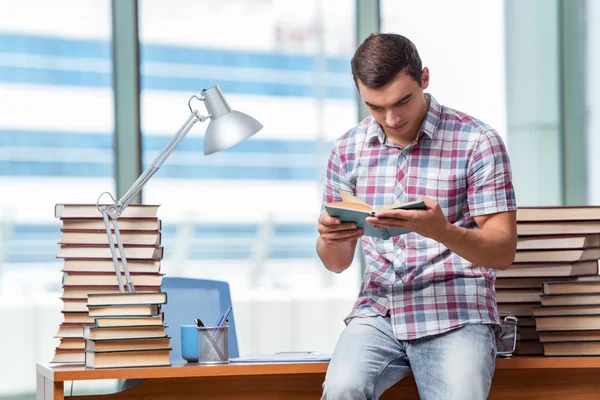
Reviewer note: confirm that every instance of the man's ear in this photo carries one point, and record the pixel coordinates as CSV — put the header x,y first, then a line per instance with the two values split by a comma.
x,y
425,78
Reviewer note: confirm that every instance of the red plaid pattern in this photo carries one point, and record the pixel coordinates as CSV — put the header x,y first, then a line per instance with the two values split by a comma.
x,y
456,160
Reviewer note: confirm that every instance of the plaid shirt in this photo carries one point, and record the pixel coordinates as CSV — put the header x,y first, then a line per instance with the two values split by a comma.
x,y
455,160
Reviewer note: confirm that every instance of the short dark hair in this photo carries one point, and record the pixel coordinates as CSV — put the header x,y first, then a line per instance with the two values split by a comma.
x,y
382,56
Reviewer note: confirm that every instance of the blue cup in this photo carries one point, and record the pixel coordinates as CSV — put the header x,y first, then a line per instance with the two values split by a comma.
x,y
189,343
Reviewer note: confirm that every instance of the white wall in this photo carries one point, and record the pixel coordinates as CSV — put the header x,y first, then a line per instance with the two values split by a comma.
x,y
462,43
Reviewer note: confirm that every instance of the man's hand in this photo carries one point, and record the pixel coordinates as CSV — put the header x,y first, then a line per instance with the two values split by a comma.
x,y
334,232
337,242
493,245
430,223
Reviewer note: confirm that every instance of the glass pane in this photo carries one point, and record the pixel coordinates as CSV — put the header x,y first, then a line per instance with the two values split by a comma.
x,y
248,215
533,103
592,86
56,144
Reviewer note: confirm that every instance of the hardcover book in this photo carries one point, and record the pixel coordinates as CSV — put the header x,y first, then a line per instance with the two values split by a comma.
x,y
352,209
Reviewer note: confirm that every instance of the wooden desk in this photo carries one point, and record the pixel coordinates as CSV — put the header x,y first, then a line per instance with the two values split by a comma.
x,y
531,378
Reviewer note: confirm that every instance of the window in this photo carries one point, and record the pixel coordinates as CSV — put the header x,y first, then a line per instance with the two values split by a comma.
x,y
56,127
252,207
248,215
56,140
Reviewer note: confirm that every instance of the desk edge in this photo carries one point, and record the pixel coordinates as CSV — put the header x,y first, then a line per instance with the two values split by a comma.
x,y
512,363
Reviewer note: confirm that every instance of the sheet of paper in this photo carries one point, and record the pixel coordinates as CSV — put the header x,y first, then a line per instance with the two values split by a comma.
x,y
283,357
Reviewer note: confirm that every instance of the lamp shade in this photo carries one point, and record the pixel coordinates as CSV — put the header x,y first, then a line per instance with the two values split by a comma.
x,y
227,127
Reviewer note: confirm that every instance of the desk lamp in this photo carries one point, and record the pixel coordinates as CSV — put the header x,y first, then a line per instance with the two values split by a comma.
x,y
226,128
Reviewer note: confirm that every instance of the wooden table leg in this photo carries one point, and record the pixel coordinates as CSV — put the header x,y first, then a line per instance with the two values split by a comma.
x,y
58,391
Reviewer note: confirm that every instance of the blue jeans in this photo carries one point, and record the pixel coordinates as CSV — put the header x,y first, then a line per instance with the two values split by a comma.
x,y
368,359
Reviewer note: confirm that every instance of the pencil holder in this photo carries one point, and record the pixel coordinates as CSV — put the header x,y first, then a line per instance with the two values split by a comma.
x,y
213,345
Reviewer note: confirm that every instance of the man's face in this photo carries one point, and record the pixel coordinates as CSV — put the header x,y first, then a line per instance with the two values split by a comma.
x,y
399,106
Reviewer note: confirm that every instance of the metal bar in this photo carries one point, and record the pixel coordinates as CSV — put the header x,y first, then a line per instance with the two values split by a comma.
x,y
572,101
126,85
368,20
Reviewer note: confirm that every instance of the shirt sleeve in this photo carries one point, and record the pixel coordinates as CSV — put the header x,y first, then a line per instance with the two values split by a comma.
x,y
335,180
490,179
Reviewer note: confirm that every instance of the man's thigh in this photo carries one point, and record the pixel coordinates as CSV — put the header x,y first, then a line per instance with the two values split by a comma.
x,y
455,365
366,361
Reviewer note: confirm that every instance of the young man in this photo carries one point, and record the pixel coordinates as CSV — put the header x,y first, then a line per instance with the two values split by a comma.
x,y
427,302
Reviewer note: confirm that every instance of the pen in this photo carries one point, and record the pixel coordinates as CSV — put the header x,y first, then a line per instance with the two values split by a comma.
x,y
220,331
226,315
224,318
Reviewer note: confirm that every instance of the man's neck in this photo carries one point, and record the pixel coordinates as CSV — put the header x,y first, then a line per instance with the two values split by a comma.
x,y
407,139
403,140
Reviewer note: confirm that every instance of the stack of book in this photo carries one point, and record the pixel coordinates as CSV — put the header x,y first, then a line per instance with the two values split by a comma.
x,y
555,244
128,330
568,320
88,266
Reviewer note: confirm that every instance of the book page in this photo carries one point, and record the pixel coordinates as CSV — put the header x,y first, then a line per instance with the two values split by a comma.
x,y
348,198
351,206
411,205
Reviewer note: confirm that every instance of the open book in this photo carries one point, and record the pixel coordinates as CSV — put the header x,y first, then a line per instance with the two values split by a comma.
x,y
353,209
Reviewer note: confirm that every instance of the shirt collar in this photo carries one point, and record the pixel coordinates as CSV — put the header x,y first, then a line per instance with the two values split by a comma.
x,y
374,132
428,126
432,118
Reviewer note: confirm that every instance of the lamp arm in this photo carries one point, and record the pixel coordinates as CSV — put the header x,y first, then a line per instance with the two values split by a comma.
x,y
137,186
114,210
113,253
216,107
156,164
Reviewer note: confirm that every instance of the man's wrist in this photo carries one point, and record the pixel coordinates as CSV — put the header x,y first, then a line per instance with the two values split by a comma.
x,y
447,233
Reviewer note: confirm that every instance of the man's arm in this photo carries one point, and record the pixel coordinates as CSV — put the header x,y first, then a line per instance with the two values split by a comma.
x,y
336,243
337,240
491,196
494,245
336,259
